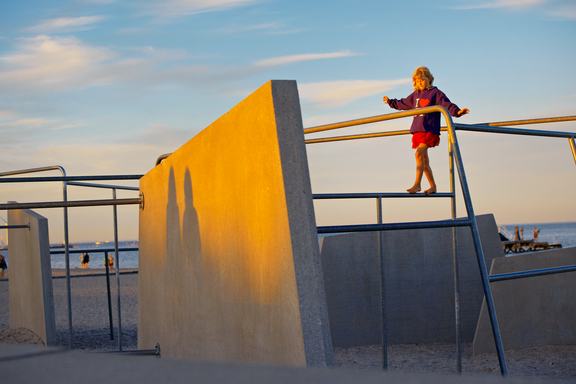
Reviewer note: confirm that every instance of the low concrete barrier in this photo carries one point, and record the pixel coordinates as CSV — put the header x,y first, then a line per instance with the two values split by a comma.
x,y
30,283
419,284
533,311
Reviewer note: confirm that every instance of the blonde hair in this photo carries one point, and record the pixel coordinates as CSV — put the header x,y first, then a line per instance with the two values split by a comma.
x,y
423,72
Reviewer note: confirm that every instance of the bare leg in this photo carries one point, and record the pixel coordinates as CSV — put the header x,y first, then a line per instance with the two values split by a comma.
x,y
423,167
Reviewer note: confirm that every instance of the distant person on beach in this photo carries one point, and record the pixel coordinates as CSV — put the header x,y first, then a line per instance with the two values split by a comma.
x,y
536,232
425,128
110,261
3,266
516,235
522,233
84,259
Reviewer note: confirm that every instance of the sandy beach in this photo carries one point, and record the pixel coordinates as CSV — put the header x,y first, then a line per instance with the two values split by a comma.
x,y
91,332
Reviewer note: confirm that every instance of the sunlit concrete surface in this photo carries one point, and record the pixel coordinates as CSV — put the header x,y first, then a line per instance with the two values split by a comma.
x,y
32,364
419,267
30,286
229,264
534,311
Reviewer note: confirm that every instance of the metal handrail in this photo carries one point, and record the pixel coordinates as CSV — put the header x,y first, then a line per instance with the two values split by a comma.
x,y
76,181
486,127
532,273
66,240
451,128
69,204
455,157
64,178
162,158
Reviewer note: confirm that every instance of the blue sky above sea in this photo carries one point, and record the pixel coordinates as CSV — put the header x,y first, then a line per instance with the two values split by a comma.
x,y
105,87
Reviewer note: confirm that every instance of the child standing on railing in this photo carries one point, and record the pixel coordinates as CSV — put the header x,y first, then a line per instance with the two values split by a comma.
x,y
425,128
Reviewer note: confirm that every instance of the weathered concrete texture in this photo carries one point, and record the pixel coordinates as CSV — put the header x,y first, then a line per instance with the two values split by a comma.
x,y
534,311
419,284
229,264
30,286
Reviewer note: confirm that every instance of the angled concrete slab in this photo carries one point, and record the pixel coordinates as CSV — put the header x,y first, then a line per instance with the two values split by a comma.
x,y
534,311
229,264
419,284
30,283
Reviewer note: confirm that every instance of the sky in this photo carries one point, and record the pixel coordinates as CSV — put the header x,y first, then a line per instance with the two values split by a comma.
x,y
104,87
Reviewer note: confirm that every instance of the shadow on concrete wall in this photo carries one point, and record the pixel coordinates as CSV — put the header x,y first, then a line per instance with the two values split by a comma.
x,y
184,280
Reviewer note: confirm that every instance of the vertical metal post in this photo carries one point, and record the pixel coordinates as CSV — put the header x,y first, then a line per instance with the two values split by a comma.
x,y
117,270
456,266
477,246
66,240
382,288
573,147
67,261
109,296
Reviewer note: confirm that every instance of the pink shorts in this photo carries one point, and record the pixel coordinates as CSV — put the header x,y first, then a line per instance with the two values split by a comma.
x,y
430,139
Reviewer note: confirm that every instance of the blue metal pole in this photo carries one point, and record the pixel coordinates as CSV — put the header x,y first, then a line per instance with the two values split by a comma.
x,y
477,245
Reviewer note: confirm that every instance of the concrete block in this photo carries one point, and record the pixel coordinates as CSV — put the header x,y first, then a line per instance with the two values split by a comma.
x,y
30,282
229,264
419,284
533,311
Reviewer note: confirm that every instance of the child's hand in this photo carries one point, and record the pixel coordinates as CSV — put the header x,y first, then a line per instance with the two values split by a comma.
x,y
386,99
463,112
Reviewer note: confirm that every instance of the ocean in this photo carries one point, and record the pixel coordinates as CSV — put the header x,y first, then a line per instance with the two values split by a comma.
x,y
128,259
553,233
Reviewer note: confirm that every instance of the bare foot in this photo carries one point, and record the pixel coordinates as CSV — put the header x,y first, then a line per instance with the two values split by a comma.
x,y
414,189
430,191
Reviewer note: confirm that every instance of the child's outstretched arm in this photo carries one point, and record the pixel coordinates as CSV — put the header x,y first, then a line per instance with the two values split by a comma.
x,y
461,112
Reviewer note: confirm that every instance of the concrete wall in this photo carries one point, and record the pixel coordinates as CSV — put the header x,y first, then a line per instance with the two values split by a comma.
x,y
30,286
419,284
534,311
229,263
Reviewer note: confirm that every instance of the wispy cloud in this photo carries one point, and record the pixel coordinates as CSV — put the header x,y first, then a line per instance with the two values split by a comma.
x,y
265,26
339,93
509,4
566,11
48,64
172,8
23,122
274,28
66,126
66,24
285,60
51,64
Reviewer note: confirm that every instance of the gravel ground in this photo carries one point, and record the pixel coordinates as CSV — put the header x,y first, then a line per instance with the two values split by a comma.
x,y
90,315
91,332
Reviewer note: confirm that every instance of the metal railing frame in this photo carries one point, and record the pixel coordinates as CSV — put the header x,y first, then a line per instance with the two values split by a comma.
x,y
454,154
116,252
105,251
455,157
73,180
14,226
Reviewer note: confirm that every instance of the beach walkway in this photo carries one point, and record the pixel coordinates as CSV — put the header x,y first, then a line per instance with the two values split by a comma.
x,y
36,364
